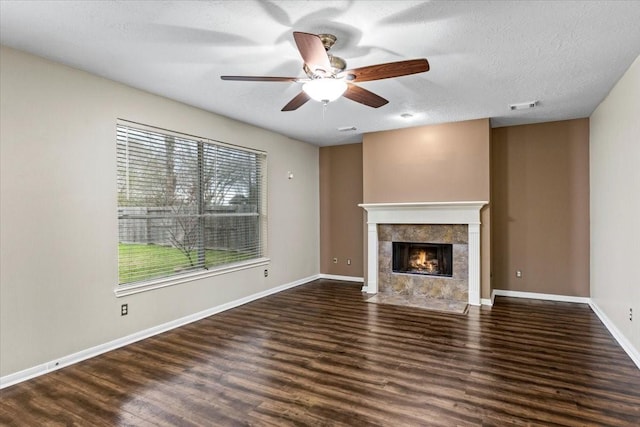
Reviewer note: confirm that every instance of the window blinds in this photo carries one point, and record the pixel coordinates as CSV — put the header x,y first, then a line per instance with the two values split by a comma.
x,y
186,203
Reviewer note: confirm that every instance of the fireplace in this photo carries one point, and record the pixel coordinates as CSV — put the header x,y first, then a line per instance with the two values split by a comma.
x,y
415,222
431,259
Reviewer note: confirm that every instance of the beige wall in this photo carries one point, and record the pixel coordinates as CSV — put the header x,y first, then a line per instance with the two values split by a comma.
x,y
58,238
341,219
615,205
447,162
540,207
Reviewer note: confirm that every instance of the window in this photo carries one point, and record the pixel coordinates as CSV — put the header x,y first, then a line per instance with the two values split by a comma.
x,y
186,204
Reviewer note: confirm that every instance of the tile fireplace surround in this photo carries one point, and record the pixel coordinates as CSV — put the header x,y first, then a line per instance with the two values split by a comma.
x,y
423,213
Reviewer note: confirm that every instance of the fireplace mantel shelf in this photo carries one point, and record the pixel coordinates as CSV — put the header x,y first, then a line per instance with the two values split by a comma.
x,y
412,205
424,212
462,212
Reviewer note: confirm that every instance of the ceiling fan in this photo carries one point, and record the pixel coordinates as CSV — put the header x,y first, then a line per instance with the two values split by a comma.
x,y
327,77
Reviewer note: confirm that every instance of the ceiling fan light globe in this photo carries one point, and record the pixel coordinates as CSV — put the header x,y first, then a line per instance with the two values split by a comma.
x,y
325,90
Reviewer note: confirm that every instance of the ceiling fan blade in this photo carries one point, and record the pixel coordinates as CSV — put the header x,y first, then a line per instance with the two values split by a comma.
x,y
363,96
260,79
385,71
312,52
297,101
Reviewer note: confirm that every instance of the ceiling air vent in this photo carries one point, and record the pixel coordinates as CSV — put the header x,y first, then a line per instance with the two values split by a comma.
x,y
523,105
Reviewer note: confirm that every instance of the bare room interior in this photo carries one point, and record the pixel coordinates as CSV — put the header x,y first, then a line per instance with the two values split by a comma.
x,y
319,213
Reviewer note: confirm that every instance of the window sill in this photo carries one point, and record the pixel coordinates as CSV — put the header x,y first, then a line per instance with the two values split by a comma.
x,y
135,288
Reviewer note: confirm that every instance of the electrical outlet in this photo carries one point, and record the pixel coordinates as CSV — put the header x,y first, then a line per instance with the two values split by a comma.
x,y
519,274
349,262
335,260
266,273
124,309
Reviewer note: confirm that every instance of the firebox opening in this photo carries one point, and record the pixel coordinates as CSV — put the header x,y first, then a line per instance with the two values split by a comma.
x,y
433,259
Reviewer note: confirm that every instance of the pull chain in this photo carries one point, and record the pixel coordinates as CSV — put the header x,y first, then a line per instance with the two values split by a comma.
x,y
324,108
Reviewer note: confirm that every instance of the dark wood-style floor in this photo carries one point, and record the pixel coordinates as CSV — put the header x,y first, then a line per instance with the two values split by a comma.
x,y
320,355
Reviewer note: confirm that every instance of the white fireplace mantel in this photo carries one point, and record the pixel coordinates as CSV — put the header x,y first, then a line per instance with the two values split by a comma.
x,y
425,213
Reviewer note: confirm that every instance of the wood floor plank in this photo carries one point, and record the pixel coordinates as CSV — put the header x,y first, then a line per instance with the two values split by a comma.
x,y
320,355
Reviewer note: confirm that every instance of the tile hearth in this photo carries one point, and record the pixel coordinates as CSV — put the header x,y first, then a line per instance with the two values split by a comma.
x,y
443,305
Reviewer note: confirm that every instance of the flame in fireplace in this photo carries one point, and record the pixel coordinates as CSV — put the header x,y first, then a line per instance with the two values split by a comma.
x,y
419,260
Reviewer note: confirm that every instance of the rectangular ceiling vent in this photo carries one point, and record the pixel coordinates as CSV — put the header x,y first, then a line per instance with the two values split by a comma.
x,y
523,105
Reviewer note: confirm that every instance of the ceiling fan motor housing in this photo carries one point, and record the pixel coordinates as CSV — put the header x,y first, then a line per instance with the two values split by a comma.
x,y
338,64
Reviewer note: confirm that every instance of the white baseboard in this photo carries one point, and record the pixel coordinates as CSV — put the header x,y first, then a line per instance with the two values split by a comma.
x,y
486,301
633,352
70,359
342,278
535,295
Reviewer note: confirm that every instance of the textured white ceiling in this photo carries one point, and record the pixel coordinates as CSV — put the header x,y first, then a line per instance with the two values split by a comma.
x,y
484,55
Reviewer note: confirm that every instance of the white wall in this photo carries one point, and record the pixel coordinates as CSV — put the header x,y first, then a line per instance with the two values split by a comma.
x,y
58,258
615,205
